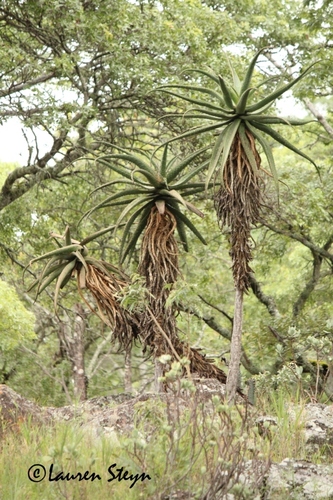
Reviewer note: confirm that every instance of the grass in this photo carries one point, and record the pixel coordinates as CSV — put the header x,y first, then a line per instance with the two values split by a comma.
x,y
195,447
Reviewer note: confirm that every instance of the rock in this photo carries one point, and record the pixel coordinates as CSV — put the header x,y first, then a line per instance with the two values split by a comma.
x,y
318,426
299,480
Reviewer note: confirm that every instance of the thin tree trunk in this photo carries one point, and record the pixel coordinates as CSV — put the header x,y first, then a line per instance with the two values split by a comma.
x,y
158,373
77,354
236,348
128,370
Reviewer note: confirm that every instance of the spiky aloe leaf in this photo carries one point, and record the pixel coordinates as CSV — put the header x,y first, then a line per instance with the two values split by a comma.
x,y
241,105
202,72
194,101
60,252
116,168
67,270
177,169
221,149
247,148
249,73
68,239
130,222
137,201
269,155
51,277
226,94
180,216
203,90
182,234
164,161
93,236
274,95
111,183
184,181
136,160
275,120
137,233
276,136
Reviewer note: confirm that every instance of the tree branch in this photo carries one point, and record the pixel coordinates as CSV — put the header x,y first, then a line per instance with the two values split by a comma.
x,y
301,238
309,287
268,301
210,321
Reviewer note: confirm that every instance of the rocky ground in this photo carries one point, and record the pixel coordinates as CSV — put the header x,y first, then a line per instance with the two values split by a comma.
x,y
111,415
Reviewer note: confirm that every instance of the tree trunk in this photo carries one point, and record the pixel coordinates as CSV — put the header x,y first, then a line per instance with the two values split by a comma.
x,y
128,370
72,344
236,348
79,374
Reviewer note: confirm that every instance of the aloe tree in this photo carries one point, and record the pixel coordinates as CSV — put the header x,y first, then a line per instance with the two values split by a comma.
x,y
154,192
242,123
104,281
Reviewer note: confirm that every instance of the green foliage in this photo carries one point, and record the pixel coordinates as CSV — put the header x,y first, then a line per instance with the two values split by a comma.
x,y
149,181
231,109
16,322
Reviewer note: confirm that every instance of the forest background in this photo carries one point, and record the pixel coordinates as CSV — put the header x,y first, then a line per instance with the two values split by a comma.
x,y
87,76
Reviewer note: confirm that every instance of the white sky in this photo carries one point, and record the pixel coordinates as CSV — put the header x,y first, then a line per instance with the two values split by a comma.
x,y
14,148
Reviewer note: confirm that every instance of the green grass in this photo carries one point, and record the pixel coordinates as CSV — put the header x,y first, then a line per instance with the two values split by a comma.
x,y
180,448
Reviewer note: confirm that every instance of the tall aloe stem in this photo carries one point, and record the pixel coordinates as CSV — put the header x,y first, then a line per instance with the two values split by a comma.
x,y
236,346
237,205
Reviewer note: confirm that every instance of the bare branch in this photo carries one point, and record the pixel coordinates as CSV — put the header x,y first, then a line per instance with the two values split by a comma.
x,y
309,287
267,300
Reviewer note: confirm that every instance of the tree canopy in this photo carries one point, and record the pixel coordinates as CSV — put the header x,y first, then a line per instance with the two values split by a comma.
x,y
88,79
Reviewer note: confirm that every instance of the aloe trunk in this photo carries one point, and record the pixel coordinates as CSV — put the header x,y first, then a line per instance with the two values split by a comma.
x,y
236,347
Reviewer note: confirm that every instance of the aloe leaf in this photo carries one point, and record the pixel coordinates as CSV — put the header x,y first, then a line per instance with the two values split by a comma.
x,y
130,223
222,145
277,137
172,174
48,267
180,216
195,131
269,155
241,105
183,181
186,204
247,148
61,252
215,156
164,163
226,93
67,235
202,72
49,279
274,95
182,234
130,206
80,257
249,73
195,101
93,236
235,78
67,270
116,168
81,278
112,183
136,160
115,196
138,231
206,116
204,90
152,179
275,120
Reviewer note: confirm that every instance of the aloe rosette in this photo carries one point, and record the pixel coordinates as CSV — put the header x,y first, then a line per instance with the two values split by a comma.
x,y
150,182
